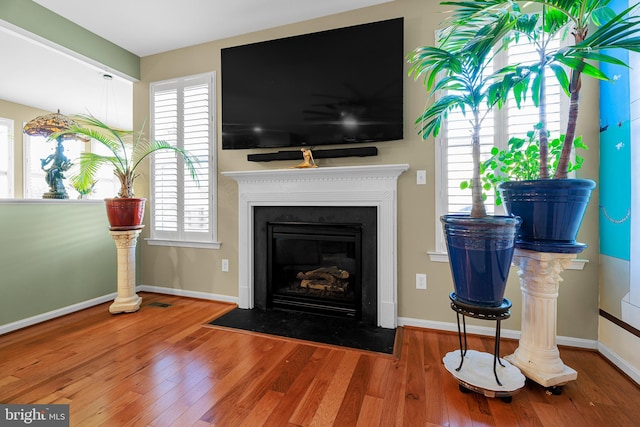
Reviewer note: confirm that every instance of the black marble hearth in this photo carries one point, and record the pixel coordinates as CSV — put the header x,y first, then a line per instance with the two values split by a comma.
x,y
311,327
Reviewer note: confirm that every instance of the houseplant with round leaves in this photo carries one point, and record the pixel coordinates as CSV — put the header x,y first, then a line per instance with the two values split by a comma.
x,y
480,247
126,151
520,161
552,210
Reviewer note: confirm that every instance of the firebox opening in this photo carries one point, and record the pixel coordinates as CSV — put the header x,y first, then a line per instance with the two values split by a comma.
x,y
315,268
317,259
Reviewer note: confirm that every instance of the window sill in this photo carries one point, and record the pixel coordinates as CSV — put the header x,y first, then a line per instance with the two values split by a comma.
x,y
50,201
183,244
576,264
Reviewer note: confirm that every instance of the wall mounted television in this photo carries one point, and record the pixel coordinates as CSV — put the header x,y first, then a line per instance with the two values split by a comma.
x,y
331,87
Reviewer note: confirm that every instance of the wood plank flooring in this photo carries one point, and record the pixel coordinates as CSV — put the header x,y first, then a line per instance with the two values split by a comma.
x,y
166,367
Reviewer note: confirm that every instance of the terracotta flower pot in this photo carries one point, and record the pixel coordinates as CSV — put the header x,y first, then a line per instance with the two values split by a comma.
x,y
125,213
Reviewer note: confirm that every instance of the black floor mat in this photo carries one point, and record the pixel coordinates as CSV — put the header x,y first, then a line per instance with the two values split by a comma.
x,y
311,327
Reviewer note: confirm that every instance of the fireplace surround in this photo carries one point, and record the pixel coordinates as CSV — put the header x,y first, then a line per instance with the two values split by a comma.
x,y
371,186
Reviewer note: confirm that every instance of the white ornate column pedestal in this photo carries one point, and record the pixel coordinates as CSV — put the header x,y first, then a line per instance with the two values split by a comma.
x,y
537,355
127,300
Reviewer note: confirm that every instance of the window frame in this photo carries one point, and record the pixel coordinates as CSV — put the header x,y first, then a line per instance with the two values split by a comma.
x,y
182,238
9,125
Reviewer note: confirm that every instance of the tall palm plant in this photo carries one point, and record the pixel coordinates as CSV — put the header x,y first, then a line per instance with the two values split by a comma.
x,y
612,31
127,150
457,68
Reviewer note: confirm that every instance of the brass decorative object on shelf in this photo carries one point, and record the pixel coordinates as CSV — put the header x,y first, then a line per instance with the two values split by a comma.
x,y
308,161
56,163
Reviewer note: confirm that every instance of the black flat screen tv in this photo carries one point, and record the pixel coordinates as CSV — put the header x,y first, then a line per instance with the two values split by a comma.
x,y
331,87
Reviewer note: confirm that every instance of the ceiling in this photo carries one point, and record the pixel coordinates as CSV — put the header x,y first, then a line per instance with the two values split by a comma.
x,y
40,76
146,27
45,77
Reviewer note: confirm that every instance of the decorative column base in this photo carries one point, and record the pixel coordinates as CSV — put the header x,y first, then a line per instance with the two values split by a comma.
x,y
537,355
127,301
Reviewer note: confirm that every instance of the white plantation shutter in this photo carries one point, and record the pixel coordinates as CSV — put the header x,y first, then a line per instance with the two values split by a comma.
x,y
456,143
165,174
197,133
182,114
459,162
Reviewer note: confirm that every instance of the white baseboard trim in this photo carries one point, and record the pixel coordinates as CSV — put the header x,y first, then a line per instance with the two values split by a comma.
x,y
578,342
619,362
30,321
491,332
185,293
453,327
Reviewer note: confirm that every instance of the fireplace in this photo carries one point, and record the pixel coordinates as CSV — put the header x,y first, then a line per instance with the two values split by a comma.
x,y
317,259
314,268
372,186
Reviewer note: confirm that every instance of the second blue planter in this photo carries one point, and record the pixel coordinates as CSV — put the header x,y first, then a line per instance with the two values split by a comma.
x,y
551,212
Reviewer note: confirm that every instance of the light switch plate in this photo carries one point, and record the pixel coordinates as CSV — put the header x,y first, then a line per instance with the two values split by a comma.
x,y
421,177
421,281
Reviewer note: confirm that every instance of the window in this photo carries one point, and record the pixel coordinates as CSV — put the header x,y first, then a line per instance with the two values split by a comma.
x,y
453,144
182,113
37,149
107,184
6,158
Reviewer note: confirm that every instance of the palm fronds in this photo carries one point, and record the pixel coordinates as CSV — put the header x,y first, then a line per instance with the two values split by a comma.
x,y
127,150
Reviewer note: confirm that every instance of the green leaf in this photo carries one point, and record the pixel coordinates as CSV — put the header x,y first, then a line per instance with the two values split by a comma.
x,y
561,76
601,15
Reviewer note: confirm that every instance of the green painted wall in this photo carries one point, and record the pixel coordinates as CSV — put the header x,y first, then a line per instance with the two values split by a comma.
x,y
38,20
53,255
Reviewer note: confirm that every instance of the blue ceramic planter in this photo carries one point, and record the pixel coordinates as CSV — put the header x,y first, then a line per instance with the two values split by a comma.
x,y
480,254
551,212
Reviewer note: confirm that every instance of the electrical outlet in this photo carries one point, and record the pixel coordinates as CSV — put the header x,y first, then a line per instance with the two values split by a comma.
x,y
421,281
421,177
225,265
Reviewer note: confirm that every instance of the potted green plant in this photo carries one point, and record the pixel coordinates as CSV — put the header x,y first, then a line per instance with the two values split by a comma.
x,y
520,161
480,246
126,152
552,210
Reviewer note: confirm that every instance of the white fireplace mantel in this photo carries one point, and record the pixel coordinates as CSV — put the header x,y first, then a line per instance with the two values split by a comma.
x,y
371,185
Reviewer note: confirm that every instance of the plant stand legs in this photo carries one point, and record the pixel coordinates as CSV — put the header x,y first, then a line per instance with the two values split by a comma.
x,y
537,354
127,301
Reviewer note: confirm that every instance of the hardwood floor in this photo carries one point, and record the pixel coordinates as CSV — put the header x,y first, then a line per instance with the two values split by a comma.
x,y
164,366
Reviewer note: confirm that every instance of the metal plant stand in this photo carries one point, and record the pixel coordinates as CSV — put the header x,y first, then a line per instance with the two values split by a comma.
x,y
474,377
